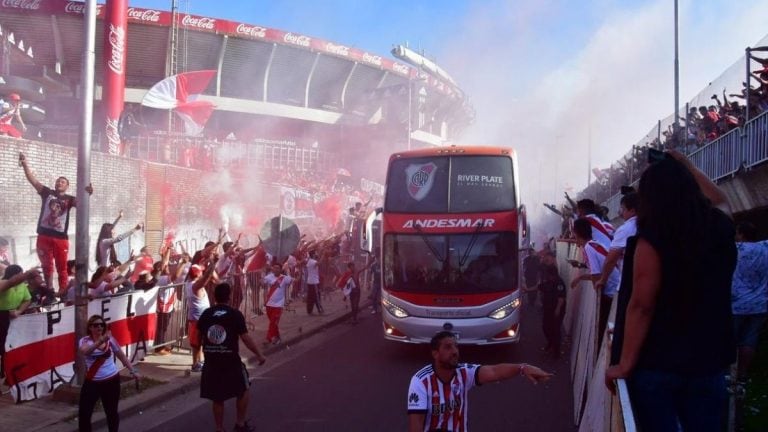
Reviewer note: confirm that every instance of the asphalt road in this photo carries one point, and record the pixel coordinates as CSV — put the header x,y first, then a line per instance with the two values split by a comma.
x,y
350,379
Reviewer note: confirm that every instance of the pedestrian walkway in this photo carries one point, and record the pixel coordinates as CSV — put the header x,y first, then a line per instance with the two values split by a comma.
x,y
171,373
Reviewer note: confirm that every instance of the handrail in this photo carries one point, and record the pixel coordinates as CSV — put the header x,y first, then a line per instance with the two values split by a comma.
x,y
742,148
626,406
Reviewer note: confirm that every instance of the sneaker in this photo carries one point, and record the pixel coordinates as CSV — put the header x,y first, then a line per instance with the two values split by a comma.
x,y
244,428
277,341
197,367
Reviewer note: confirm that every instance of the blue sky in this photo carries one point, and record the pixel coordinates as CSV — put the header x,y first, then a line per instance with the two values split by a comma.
x,y
544,76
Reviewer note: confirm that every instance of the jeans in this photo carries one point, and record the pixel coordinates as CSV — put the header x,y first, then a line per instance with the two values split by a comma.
x,y
669,402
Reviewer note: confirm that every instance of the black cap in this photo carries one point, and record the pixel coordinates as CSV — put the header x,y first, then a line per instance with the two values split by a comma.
x,y
12,270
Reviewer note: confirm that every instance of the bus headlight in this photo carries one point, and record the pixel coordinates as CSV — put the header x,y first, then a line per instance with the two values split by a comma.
x,y
505,310
395,311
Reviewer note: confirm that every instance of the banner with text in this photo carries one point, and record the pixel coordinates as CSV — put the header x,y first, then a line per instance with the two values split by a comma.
x,y
40,349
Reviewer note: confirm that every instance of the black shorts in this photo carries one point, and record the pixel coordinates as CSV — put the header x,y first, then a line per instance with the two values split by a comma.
x,y
220,382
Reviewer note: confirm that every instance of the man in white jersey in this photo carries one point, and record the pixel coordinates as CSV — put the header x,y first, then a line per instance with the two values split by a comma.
x,y
437,396
628,212
277,285
602,231
595,255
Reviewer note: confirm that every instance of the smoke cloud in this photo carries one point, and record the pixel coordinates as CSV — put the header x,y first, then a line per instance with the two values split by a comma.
x,y
545,86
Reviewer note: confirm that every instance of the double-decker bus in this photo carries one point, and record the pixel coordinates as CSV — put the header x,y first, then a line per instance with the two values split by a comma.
x,y
451,229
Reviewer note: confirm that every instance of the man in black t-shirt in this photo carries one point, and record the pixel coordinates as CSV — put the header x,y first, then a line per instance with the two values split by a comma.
x,y
53,225
224,374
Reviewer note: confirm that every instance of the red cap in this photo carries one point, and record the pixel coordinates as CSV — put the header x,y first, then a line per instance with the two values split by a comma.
x,y
14,97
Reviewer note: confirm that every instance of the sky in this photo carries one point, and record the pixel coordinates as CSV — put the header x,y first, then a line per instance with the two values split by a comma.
x,y
551,78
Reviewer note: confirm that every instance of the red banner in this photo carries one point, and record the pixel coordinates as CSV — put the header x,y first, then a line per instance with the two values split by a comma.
x,y
115,40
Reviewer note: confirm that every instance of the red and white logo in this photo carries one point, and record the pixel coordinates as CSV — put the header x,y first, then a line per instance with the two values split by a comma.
x,y
400,68
202,22
300,40
255,31
113,136
337,49
146,15
74,7
372,59
23,4
117,41
419,179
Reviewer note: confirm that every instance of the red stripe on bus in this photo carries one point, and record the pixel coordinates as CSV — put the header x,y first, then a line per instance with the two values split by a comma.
x,y
450,222
447,300
33,359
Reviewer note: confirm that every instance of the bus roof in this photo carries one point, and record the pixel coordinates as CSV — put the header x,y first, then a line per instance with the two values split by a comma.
x,y
455,150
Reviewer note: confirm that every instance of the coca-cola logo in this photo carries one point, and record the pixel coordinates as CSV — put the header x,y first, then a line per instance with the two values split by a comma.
x,y
337,49
373,59
203,23
75,7
400,68
117,42
146,15
254,31
22,4
113,136
297,39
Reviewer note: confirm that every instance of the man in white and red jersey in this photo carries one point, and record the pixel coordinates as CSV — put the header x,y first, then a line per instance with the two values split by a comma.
x,y
602,231
595,255
277,285
437,396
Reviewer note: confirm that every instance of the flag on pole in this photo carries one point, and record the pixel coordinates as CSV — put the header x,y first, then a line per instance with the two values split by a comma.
x,y
181,93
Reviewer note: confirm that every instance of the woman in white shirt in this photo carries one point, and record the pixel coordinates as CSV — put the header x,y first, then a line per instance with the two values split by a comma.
x,y
101,378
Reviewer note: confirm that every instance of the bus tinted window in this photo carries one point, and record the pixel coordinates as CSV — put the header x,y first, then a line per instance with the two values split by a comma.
x,y
481,183
476,184
418,185
455,264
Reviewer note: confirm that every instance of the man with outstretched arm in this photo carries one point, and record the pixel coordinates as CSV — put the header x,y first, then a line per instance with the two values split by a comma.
x,y
53,224
437,396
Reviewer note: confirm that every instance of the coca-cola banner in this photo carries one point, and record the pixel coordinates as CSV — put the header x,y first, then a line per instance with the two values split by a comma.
x,y
115,38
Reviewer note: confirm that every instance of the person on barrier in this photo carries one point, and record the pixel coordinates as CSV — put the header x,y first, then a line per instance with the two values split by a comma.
x,y
102,380
437,396
678,338
166,301
14,300
628,212
221,328
277,285
53,224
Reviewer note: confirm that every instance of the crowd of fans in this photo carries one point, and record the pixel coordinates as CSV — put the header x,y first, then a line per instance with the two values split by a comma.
x,y
319,264
700,126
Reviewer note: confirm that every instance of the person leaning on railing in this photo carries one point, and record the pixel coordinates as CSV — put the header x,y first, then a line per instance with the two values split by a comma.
x,y
678,338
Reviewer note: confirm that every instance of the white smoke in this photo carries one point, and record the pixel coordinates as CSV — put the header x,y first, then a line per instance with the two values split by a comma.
x,y
542,87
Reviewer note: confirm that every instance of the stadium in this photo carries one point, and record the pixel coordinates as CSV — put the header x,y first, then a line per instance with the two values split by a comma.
x,y
278,95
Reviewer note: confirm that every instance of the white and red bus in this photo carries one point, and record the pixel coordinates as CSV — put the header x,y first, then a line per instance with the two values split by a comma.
x,y
451,230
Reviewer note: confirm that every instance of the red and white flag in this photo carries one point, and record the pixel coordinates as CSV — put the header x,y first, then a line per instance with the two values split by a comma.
x,y
181,94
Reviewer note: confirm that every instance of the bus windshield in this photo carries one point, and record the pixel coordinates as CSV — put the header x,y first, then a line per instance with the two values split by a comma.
x,y
451,264
450,184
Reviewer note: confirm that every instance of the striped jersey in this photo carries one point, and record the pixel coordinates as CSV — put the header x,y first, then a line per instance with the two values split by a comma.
x,y
445,404
602,232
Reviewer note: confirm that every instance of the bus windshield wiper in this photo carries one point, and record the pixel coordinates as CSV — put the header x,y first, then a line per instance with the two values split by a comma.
x,y
471,245
429,244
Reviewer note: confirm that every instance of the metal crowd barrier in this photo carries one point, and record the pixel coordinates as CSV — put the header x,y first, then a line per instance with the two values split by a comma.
x,y
741,148
172,326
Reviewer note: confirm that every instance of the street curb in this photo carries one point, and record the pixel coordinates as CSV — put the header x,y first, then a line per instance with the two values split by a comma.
x,y
134,404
